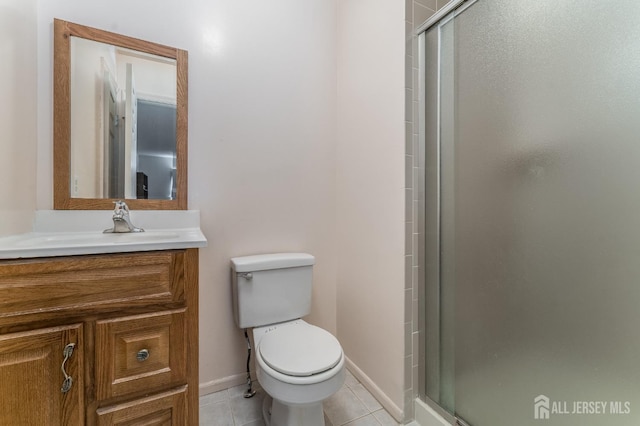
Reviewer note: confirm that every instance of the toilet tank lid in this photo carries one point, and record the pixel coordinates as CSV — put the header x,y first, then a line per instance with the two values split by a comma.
x,y
264,262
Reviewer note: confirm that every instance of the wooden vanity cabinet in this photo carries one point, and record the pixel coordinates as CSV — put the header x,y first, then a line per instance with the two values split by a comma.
x,y
131,320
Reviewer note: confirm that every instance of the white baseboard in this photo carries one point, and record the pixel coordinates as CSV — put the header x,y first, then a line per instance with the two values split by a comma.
x,y
395,411
224,383
427,416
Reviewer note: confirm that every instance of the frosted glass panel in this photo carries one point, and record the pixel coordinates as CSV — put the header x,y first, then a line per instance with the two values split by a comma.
x,y
540,211
430,296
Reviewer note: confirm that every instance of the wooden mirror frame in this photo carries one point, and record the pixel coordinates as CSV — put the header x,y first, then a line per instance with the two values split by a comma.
x,y
62,199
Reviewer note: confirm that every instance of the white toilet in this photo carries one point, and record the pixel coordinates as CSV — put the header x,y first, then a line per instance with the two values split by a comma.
x,y
297,364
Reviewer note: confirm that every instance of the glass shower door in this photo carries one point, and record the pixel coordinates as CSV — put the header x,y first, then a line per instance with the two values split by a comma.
x,y
533,213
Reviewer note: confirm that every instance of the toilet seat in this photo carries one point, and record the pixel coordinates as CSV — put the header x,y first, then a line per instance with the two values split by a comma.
x,y
300,350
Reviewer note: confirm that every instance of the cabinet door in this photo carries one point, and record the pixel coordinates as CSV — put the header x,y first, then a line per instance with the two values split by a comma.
x,y
164,409
31,377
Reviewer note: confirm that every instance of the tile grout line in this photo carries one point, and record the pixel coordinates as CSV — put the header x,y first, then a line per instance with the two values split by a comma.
x,y
370,413
227,397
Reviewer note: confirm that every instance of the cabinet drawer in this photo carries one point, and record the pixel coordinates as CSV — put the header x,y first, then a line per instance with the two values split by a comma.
x,y
42,288
167,408
140,353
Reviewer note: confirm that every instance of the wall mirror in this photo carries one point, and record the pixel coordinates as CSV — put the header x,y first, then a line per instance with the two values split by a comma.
x,y
120,121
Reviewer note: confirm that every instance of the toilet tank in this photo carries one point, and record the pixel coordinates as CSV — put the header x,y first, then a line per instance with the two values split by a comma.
x,y
271,288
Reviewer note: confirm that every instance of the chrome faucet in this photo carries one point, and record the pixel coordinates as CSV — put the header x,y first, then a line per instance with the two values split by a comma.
x,y
121,221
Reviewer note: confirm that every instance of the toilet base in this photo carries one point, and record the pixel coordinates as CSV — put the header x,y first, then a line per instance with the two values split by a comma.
x,y
276,413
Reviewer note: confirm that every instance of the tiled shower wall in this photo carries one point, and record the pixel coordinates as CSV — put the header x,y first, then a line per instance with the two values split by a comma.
x,y
417,11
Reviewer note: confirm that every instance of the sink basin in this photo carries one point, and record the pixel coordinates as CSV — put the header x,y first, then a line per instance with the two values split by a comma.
x,y
44,244
65,239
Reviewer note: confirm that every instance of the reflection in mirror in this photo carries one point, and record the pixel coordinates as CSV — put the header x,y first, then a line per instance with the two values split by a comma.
x,y
125,102
120,124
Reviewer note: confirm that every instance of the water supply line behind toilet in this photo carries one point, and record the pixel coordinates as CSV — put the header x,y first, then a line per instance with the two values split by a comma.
x,y
250,392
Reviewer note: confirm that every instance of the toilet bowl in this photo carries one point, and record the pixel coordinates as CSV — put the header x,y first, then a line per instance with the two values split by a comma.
x,y
297,364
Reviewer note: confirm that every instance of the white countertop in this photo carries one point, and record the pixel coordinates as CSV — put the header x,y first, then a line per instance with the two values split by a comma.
x,y
76,232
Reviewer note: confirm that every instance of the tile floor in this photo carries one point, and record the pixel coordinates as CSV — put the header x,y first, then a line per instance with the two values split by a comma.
x,y
352,405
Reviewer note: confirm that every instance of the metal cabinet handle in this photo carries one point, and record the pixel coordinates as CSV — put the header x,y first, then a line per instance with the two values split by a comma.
x,y
68,380
142,355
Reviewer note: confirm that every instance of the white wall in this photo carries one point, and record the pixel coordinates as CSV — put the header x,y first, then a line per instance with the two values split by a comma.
x,y
296,143
17,115
155,78
261,139
370,191
87,116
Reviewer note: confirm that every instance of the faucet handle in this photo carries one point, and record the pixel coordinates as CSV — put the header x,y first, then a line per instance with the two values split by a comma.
x,y
120,207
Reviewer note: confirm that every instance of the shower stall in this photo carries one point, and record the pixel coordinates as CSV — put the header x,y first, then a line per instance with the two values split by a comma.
x,y
530,293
